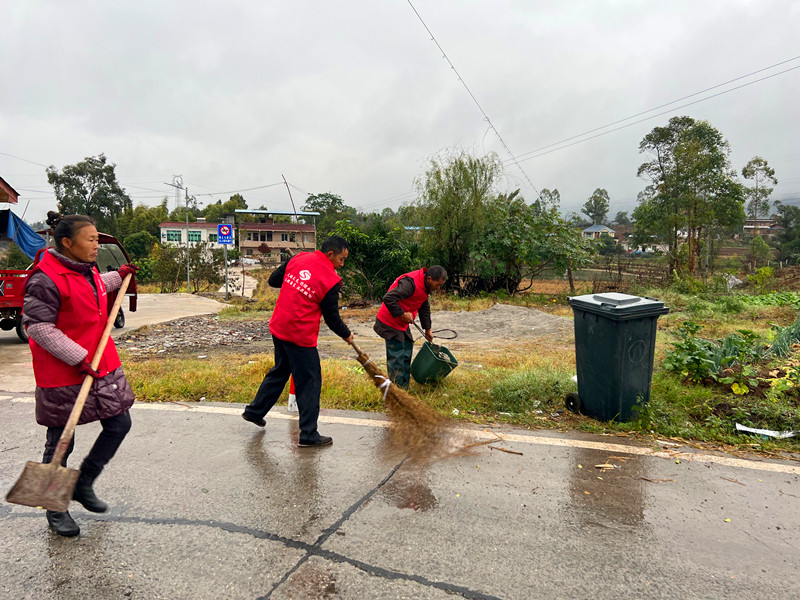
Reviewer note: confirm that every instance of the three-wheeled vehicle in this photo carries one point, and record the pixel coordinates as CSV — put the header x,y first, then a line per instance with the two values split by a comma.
x,y
110,256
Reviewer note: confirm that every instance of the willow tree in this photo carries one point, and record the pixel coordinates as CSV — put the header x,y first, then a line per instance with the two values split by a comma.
x,y
453,195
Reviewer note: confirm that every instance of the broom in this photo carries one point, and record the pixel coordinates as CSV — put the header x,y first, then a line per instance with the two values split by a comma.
x,y
416,428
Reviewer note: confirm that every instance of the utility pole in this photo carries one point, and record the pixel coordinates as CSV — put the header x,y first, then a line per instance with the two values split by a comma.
x,y
177,183
188,289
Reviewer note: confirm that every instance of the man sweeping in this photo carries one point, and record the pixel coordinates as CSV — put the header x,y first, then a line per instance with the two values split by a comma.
x,y
407,297
309,289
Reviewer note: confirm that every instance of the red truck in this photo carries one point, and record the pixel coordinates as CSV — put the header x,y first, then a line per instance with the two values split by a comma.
x,y
110,256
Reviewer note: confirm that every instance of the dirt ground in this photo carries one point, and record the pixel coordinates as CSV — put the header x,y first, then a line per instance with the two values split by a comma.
x,y
788,279
496,329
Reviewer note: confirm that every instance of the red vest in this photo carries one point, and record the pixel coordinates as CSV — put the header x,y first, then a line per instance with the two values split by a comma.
x,y
410,304
309,277
82,318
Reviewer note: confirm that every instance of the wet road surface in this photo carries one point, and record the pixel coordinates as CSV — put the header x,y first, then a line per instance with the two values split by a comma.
x,y
206,505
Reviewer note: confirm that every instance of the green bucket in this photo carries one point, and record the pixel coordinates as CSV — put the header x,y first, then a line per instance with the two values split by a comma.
x,y
432,362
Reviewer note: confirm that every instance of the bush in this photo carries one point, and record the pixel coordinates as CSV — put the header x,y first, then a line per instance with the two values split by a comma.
x,y
763,280
686,284
730,305
145,272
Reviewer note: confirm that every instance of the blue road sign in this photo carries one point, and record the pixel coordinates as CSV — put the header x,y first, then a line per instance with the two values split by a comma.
x,y
224,234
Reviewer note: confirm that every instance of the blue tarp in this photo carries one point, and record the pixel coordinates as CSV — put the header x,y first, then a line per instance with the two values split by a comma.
x,y
21,233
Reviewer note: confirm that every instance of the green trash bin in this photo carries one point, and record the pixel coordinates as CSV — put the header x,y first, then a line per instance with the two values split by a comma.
x,y
615,337
431,363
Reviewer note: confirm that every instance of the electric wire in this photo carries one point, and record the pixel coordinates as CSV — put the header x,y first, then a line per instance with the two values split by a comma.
x,y
260,187
537,153
474,99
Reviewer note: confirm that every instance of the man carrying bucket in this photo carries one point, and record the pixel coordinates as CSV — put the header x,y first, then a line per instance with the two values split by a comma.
x,y
407,297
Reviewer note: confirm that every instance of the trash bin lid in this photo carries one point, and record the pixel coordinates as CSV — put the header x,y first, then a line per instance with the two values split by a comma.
x,y
619,306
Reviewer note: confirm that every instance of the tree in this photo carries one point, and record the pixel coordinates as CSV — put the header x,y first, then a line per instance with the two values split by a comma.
x,y
190,206
576,220
518,243
168,265
509,249
139,244
693,189
608,246
547,199
331,209
16,258
762,175
378,254
596,207
759,251
90,188
215,213
206,265
143,218
788,217
622,218
453,193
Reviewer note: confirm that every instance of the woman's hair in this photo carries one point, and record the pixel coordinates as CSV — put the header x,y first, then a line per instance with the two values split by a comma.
x,y
66,226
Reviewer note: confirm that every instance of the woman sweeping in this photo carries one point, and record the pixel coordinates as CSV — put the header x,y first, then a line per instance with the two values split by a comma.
x,y
65,312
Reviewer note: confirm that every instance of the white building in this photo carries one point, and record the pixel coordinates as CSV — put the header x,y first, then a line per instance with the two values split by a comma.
x,y
173,233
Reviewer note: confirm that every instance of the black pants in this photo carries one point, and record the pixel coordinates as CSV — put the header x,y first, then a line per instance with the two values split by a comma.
x,y
303,364
398,361
114,431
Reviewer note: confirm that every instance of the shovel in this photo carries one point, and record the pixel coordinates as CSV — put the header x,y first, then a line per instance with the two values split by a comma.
x,y
50,485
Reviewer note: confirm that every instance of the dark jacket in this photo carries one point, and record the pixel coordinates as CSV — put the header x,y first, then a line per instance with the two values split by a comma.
x,y
110,396
404,289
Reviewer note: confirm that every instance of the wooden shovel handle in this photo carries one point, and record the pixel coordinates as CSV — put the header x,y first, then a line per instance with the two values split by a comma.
x,y
77,409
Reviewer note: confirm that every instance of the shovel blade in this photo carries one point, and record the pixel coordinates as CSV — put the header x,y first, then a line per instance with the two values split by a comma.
x,y
44,486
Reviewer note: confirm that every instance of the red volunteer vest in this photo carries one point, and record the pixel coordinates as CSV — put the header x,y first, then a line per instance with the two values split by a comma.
x,y
309,276
82,318
410,304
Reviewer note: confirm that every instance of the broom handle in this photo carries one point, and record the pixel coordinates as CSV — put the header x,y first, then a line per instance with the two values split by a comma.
x,y
356,348
77,409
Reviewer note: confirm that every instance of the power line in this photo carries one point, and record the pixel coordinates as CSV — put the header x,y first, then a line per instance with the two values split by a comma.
x,y
646,118
24,160
471,95
260,187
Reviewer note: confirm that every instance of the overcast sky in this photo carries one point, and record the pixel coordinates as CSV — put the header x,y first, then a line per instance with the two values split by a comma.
x,y
353,97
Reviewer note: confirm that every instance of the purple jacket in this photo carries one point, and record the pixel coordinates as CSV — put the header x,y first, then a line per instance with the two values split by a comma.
x,y
109,396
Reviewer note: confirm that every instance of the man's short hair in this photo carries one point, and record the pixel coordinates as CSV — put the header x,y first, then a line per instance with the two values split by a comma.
x,y
335,243
437,273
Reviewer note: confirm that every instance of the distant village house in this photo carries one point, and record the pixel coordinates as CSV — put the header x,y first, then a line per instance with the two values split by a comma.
x,y
173,233
595,232
274,242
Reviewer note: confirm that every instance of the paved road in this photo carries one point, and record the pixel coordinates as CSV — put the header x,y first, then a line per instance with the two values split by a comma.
x,y
205,505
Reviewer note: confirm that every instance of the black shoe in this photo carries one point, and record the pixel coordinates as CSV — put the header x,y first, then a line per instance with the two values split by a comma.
x,y
256,420
62,523
322,440
85,495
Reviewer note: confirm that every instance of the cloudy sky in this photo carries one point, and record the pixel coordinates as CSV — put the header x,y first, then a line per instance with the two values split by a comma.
x,y
354,97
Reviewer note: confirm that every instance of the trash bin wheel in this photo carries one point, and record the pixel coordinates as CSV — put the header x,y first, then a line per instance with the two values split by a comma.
x,y
119,322
573,402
